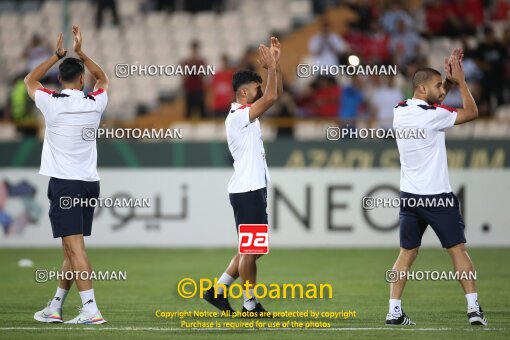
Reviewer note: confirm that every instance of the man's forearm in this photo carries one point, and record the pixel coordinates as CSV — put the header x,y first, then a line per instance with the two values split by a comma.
x,y
93,68
468,102
40,71
272,82
268,98
279,79
447,85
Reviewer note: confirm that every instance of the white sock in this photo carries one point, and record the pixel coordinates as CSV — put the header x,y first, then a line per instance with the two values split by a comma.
x,y
88,300
58,299
249,303
395,307
225,279
472,301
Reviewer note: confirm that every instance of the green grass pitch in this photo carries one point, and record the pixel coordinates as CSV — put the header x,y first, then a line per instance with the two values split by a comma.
x,y
357,277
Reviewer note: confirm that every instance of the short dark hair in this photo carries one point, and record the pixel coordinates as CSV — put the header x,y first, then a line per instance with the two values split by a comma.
x,y
70,69
244,77
423,75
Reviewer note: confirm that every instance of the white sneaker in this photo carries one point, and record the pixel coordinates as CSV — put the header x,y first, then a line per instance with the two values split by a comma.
x,y
476,317
402,319
86,317
49,314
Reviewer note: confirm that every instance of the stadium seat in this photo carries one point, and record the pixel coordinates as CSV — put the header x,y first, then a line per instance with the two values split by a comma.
x,y
205,19
304,131
8,20
497,129
129,8
269,132
227,20
301,9
462,131
4,93
311,130
207,131
156,19
480,128
503,112
8,132
32,21
140,41
83,7
180,20
50,7
188,129
280,22
499,28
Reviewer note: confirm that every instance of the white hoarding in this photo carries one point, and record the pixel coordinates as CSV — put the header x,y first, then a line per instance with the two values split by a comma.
x,y
306,207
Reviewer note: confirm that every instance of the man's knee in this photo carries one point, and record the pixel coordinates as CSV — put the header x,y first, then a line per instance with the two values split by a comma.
x,y
457,249
73,247
73,252
409,253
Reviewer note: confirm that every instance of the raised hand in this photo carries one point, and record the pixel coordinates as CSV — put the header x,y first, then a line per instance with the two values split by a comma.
x,y
275,48
77,39
457,70
447,68
457,53
60,42
266,58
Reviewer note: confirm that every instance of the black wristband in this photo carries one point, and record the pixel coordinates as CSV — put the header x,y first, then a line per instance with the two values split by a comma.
x,y
59,56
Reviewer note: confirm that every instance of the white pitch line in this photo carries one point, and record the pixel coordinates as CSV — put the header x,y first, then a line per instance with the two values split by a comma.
x,y
163,329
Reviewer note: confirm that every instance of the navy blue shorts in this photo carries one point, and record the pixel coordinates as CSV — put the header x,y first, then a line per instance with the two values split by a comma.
x,y
250,207
446,221
67,219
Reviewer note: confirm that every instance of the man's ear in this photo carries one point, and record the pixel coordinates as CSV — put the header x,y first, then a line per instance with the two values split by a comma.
x,y
59,79
82,79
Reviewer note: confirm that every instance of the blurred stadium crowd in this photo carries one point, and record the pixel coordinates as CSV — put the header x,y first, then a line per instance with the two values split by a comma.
x,y
225,33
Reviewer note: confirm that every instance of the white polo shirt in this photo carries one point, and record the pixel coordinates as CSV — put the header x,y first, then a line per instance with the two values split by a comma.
x,y
65,154
424,167
246,147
